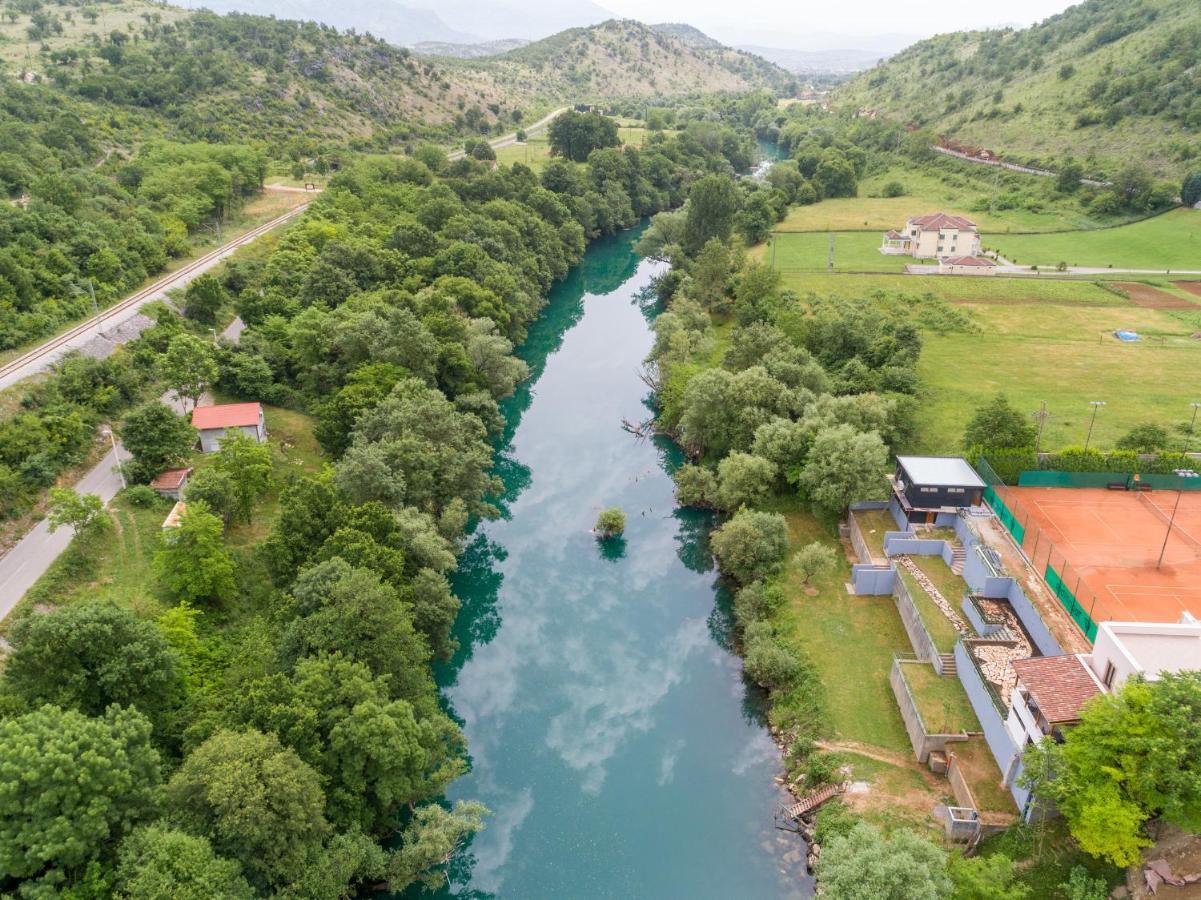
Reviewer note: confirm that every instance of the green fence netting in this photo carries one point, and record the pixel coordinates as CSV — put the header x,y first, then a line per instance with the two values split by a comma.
x,y
1007,518
1073,607
1057,478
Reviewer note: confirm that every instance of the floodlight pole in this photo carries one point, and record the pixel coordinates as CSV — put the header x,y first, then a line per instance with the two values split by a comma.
x,y
1096,405
1183,473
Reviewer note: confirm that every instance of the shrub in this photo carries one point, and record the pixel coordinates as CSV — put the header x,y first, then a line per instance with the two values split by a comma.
x,y
751,545
610,523
815,559
770,665
756,602
696,486
894,189
142,496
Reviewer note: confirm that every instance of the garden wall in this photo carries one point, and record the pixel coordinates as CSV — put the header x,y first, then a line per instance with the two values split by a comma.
x,y
991,717
872,581
919,636
923,744
862,552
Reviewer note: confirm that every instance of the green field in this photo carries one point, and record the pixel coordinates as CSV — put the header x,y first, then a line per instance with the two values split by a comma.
x,y
941,702
964,289
828,624
1171,241
853,252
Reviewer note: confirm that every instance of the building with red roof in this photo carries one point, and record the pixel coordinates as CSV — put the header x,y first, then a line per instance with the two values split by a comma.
x,y
213,422
171,483
934,236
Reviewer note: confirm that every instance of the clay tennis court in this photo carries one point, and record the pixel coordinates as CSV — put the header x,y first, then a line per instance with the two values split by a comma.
x,y
1110,541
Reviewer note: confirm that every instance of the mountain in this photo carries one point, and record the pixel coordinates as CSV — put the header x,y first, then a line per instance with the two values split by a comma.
x,y
394,22
624,58
693,37
1107,81
818,62
468,51
490,20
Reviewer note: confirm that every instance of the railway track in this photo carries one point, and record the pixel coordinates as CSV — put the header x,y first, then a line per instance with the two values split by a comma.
x,y
10,371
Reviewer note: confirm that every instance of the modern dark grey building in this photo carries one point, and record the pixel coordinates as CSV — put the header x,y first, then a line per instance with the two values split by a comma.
x,y
928,485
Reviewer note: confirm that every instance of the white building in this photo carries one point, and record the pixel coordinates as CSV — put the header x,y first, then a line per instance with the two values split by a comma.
x,y
934,236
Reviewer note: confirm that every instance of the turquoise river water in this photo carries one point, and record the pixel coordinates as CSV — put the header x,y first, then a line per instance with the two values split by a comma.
x,y
611,732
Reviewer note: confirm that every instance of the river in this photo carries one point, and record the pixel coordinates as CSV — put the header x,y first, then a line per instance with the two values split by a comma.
x,y
610,730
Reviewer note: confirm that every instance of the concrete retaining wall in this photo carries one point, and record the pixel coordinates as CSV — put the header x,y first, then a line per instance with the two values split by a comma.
x,y
923,743
991,719
959,786
898,514
872,581
862,552
919,637
972,614
900,543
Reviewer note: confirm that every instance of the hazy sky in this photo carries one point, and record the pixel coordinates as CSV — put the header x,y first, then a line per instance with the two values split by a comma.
x,y
760,21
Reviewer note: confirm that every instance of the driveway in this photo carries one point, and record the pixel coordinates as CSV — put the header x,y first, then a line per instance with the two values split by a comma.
x,y
510,139
32,556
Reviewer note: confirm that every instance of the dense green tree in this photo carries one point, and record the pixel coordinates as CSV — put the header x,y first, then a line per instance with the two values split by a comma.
x,y
573,135
986,878
189,367
751,545
843,465
88,656
70,788
247,464
76,511
867,865
1190,189
216,489
374,753
696,486
193,564
254,801
1069,176
157,439
1145,438
1128,761
350,611
156,861
713,203
710,273
429,842
743,480
997,425
814,560
203,299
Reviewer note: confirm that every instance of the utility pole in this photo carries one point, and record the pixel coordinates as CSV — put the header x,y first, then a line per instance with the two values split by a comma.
x,y
108,430
1183,474
1041,417
91,293
1096,405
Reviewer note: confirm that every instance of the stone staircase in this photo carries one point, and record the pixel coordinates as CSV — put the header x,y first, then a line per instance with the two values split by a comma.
x,y
947,662
958,558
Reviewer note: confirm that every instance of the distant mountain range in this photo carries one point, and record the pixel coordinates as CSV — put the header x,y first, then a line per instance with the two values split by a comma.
x,y
411,22
807,62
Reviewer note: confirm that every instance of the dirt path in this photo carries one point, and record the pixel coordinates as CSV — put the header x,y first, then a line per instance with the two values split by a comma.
x,y
890,757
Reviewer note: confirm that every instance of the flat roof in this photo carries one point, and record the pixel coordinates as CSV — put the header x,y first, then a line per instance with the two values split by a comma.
x,y
1159,647
945,471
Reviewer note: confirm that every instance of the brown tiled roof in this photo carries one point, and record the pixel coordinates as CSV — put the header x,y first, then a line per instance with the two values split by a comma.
x,y
982,261
1060,685
895,235
229,415
171,480
935,221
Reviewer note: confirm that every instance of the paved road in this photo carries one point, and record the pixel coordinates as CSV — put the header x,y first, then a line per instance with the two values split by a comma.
x,y
40,358
29,559
510,139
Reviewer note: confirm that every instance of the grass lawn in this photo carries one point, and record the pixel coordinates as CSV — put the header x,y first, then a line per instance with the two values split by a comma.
x,y
950,585
850,640
1067,357
980,770
853,252
941,702
115,563
939,626
959,289
873,523
1170,241
534,153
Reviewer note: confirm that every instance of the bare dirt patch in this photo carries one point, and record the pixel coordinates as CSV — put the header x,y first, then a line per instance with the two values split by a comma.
x,y
1193,287
1152,298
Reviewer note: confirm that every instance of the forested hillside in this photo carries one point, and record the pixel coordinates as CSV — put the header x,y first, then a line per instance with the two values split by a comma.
x,y
1107,81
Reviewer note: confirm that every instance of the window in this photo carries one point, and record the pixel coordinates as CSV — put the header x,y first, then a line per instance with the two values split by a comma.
x,y
929,490
954,490
1110,672
940,248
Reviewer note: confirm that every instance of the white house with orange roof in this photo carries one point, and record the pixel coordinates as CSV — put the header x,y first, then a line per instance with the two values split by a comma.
x,y
935,236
